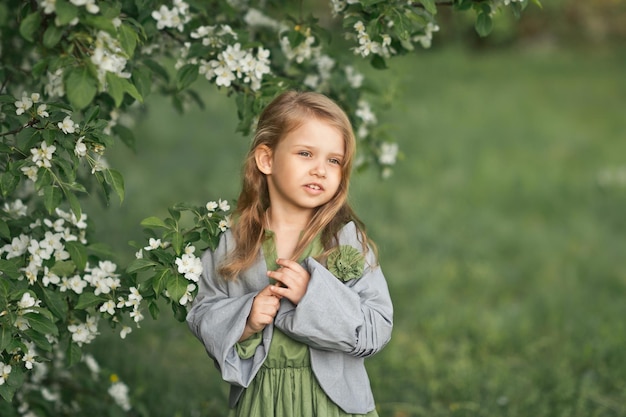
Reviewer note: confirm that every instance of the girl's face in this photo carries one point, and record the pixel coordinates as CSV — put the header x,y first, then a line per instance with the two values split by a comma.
x,y
304,170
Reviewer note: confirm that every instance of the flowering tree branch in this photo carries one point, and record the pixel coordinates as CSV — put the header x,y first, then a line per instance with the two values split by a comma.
x,y
69,70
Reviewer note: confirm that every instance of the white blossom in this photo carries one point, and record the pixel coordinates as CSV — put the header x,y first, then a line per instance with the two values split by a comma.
x,y
91,363
16,209
211,206
30,171
27,302
190,266
55,86
153,244
80,149
125,331
24,104
223,205
17,247
68,125
388,153
119,392
42,156
354,78
5,370
29,356
108,307
49,6
41,111
49,277
108,56
187,297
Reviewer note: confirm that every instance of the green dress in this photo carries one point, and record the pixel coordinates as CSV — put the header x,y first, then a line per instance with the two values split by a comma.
x,y
285,386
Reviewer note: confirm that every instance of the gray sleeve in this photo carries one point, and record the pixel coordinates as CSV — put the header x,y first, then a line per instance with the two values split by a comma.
x,y
218,317
355,317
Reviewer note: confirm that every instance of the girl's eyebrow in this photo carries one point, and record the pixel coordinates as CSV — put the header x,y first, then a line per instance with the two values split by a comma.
x,y
313,147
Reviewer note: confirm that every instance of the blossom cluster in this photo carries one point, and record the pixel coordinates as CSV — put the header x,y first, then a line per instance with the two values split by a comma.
x,y
176,17
233,64
44,385
49,7
426,39
41,155
108,56
368,46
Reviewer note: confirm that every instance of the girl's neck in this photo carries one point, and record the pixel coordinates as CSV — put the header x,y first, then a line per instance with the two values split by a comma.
x,y
278,220
287,231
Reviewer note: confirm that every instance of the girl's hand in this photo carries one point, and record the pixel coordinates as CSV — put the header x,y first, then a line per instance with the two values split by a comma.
x,y
294,279
264,308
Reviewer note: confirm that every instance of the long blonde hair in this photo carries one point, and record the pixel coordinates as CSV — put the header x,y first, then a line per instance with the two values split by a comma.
x,y
283,115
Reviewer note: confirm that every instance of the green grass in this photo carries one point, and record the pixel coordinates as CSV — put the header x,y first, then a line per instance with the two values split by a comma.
x,y
502,247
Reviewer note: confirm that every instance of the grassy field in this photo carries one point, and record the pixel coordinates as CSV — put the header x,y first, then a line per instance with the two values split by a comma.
x,y
501,234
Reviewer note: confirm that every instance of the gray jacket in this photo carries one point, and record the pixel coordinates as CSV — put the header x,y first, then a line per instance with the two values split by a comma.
x,y
341,322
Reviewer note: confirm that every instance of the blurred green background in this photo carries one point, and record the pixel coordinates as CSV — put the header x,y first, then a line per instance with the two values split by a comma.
x,y
501,231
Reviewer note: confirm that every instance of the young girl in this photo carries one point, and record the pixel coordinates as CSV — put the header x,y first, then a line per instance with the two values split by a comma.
x,y
293,299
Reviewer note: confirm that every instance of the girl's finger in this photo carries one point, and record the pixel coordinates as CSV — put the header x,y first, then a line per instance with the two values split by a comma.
x,y
289,264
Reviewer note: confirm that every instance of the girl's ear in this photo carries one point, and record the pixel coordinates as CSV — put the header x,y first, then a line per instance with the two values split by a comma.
x,y
263,158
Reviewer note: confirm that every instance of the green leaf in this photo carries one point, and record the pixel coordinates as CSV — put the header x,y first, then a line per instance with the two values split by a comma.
x,y
41,324
114,179
4,229
100,22
140,265
176,286
160,279
91,114
157,69
39,67
39,339
116,87
52,36
8,183
128,39
430,6
52,197
484,23
378,62
65,11
186,76
12,384
153,222
142,78
89,299
126,135
81,87
74,353
5,336
56,303
154,310
78,254
30,25
63,268
74,204
9,269
180,312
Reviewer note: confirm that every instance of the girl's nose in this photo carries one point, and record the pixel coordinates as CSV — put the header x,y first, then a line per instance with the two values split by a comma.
x,y
319,170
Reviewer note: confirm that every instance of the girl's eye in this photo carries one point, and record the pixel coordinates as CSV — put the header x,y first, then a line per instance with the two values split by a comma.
x,y
335,161
304,153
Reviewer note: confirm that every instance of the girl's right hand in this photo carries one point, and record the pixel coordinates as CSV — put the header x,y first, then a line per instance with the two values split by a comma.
x,y
264,308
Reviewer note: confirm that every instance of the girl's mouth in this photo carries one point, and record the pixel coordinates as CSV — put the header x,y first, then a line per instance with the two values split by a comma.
x,y
314,187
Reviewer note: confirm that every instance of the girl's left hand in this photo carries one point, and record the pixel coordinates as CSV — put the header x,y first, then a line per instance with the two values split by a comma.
x,y
293,277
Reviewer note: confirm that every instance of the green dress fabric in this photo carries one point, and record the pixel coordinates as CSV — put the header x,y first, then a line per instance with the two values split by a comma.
x,y
285,386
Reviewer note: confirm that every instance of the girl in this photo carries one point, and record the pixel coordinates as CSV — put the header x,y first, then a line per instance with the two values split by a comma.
x,y
292,300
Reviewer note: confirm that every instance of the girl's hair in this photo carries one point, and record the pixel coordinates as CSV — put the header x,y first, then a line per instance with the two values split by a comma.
x,y
283,115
